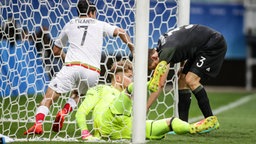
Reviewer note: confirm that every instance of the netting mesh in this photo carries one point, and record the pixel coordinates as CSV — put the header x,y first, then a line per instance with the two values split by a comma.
x,y
28,30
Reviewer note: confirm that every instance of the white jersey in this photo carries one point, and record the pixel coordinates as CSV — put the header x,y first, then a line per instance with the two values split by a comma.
x,y
85,38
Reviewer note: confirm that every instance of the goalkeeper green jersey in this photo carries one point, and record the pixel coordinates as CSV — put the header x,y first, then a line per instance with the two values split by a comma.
x,y
115,121
97,99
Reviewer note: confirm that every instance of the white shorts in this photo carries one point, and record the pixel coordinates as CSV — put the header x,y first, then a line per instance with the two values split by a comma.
x,y
74,78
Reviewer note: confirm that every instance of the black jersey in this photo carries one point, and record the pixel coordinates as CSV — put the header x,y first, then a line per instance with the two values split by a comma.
x,y
202,47
183,42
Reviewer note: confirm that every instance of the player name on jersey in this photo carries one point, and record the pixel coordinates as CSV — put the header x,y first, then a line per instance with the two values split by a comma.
x,y
85,21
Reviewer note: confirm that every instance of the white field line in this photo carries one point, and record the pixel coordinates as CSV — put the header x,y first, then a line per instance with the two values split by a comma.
x,y
227,107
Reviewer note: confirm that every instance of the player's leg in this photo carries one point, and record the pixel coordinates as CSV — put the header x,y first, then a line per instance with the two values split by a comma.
x,y
184,98
62,83
42,111
157,129
68,107
206,65
202,98
83,78
193,81
184,90
193,76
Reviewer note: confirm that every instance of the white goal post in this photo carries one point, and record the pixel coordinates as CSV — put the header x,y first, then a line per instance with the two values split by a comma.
x,y
140,71
140,78
28,29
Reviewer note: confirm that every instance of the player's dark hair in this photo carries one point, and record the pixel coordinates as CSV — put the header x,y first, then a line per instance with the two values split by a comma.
x,y
85,7
121,66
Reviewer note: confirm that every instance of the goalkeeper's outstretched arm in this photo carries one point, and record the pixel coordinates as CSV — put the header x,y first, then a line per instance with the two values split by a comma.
x,y
91,99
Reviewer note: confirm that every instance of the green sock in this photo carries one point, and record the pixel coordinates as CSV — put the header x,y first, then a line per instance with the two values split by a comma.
x,y
179,126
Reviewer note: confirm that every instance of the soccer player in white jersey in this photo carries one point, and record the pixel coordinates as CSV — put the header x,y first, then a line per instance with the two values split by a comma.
x,y
82,62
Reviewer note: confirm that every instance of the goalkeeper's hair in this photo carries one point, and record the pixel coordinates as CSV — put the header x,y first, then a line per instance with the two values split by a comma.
x,y
84,7
121,66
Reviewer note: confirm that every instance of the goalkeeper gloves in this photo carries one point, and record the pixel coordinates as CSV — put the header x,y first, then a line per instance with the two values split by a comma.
x,y
86,135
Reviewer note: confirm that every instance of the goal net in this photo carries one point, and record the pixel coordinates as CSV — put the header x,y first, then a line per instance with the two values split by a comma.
x,y
27,33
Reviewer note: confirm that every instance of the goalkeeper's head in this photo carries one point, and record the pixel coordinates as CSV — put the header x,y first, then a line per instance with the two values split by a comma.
x,y
86,8
121,74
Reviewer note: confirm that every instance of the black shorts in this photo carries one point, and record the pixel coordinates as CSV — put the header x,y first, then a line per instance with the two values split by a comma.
x,y
208,59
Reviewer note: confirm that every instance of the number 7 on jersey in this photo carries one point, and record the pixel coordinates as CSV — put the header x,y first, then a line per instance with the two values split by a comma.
x,y
84,35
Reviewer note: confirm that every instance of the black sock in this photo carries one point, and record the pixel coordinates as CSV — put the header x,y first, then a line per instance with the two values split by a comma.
x,y
184,104
203,101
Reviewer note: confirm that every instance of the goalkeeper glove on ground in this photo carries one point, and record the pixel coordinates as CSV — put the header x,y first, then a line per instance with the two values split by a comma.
x,y
86,135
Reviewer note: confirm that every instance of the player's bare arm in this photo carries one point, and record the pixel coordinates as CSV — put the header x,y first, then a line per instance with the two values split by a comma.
x,y
125,38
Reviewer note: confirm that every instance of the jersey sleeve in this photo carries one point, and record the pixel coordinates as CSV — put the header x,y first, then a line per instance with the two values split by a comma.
x,y
109,29
91,99
166,54
62,39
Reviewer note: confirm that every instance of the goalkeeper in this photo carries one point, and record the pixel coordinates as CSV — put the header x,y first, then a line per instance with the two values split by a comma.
x,y
112,107
99,97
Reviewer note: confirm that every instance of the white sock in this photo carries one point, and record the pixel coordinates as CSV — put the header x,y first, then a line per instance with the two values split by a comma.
x,y
72,103
42,109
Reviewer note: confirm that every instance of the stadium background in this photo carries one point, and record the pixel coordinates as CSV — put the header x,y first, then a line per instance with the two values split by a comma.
x,y
225,16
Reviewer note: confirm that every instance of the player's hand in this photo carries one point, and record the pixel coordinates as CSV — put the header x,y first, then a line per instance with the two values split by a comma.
x,y
86,135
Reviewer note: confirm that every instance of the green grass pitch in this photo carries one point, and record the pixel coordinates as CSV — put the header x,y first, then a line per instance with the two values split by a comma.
x,y
237,124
